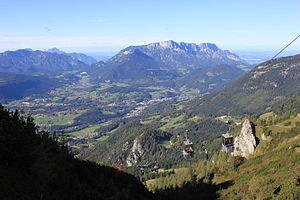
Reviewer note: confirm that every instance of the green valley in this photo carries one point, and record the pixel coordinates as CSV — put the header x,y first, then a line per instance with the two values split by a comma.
x,y
139,122
149,100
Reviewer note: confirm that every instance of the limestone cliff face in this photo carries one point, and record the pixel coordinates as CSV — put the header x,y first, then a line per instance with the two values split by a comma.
x,y
135,153
245,143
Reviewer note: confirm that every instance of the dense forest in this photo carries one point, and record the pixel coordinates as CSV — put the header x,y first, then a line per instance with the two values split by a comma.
x,y
158,145
35,166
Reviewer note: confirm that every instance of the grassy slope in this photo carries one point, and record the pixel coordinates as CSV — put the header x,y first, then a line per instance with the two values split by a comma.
x,y
44,120
273,171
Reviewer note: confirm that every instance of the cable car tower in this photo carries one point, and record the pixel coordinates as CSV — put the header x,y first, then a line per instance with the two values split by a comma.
x,y
188,151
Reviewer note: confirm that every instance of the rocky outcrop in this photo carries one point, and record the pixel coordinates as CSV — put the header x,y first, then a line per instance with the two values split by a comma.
x,y
264,137
135,153
245,143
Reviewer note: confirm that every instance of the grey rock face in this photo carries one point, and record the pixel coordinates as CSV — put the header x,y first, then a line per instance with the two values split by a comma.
x,y
135,154
245,143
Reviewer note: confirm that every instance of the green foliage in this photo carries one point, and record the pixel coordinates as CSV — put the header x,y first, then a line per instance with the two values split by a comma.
x,y
159,145
44,120
189,191
256,92
209,79
271,173
34,166
290,107
86,131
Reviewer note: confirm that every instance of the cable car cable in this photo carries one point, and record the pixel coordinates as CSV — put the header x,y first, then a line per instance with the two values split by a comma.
x,y
285,47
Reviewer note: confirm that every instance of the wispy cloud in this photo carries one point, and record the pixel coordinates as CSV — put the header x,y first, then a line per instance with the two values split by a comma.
x,y
47,29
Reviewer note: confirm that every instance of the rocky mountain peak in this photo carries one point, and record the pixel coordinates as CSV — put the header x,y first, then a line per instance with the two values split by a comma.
x,y
55,50
131,51
168,44
245,143
27,49
208,47
186,47
128,54
172,55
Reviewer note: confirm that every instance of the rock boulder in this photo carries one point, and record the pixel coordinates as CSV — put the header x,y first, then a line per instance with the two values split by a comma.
x,y
245,143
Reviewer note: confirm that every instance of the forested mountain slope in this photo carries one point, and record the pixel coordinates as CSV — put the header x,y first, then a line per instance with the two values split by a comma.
x,y
17,86
27,61
34,166
269,84
271,172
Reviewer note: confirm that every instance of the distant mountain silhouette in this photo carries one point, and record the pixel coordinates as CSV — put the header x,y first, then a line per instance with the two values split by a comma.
x,y
80,56
16,86
188,55
26,61
134,64
174,62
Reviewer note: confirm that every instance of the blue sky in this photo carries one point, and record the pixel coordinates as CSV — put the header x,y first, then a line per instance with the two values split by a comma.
x,y
109,25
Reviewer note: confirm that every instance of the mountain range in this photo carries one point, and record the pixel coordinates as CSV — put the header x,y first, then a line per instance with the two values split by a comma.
x,y
188,55
268,95
167,64
79,56
176,64
26,61
167,54
134,65
17,86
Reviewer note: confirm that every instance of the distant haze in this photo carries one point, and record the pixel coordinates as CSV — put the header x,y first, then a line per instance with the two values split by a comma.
x,y
109,26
